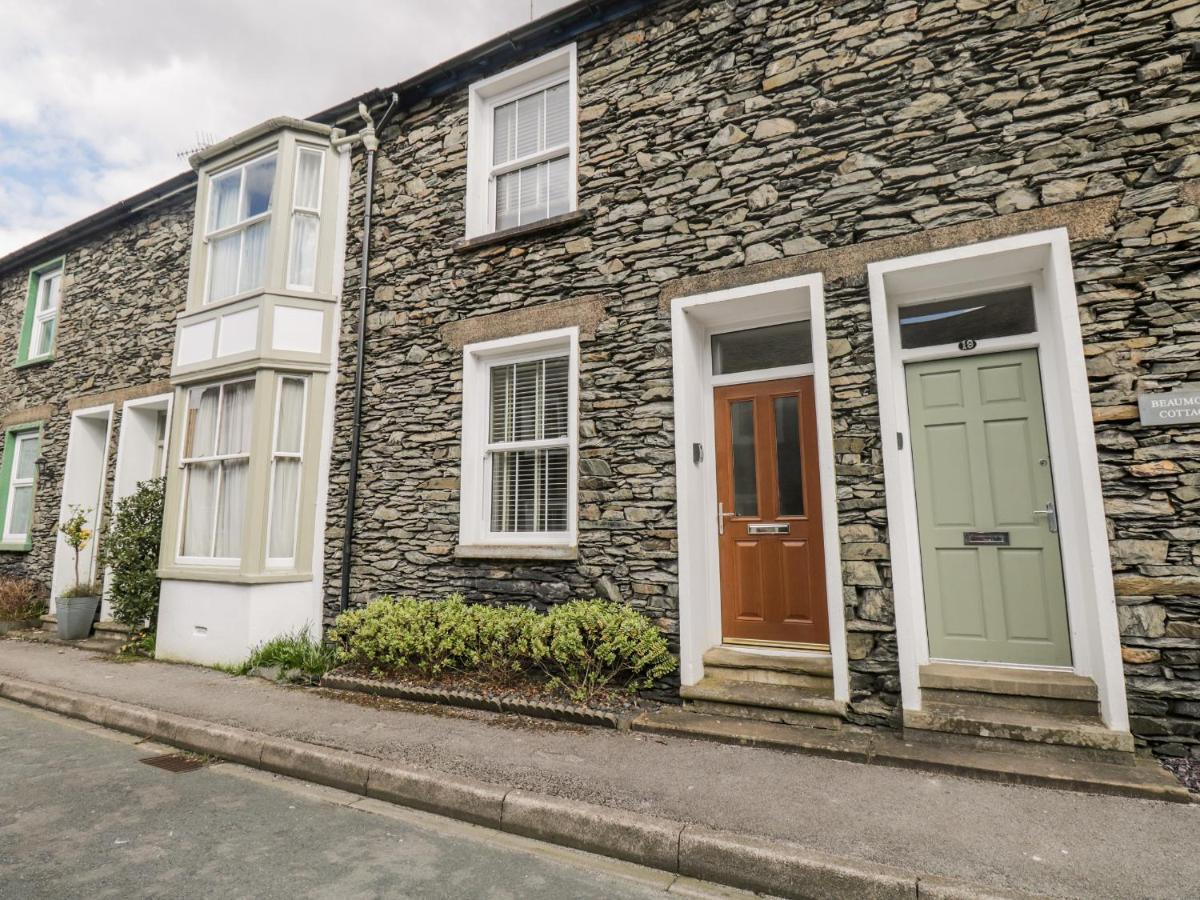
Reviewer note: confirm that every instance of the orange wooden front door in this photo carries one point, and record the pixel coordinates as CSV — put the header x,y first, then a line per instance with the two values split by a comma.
x,y
768,487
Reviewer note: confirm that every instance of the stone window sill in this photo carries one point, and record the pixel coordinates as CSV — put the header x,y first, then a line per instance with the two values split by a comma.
x,y
229,576
542,225
547,552
16,548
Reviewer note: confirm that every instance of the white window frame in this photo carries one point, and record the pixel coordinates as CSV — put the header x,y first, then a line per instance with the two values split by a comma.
x,y
283,562
475,489
238,227
299,211
483,98
186,462
50,314
14,482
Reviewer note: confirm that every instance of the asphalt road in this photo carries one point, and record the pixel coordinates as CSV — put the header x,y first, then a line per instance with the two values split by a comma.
x,y
81,816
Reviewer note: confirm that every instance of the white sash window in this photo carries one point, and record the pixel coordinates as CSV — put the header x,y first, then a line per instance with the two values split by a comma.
x,y
287,461
45,313
239,228
520,441
216,463
522,145
18,512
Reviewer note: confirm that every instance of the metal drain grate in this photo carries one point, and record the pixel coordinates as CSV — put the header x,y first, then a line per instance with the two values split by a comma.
x,y
176,762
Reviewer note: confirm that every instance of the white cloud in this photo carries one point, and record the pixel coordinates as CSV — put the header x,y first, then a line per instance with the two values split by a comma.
x,y
98,100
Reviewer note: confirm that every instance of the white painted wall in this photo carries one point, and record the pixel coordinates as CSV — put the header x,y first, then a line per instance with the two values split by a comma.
x,y
211,622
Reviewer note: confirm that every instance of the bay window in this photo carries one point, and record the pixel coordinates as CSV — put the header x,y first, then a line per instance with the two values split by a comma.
x,y
216,463
239,228
520,443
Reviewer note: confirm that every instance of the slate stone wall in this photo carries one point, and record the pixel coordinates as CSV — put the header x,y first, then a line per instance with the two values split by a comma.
x,y
116,329
721,135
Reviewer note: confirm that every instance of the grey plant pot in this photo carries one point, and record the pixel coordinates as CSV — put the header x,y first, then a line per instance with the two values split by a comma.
x,y
74,616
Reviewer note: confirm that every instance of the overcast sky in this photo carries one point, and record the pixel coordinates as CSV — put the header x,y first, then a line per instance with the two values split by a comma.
x,y
100,99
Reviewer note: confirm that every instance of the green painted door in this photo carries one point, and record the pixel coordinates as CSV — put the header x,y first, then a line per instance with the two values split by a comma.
x,y
990,557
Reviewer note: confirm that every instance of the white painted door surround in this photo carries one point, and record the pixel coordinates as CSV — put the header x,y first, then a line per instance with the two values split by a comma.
x,y
694,320
83,486
1041,261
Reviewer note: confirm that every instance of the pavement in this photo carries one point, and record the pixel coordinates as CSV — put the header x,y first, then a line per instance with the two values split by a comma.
x,y
1008,838
99,824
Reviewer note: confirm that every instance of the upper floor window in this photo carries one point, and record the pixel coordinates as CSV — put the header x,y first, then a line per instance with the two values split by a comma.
x,y
306,219
238,227
522,155
18,476
41,313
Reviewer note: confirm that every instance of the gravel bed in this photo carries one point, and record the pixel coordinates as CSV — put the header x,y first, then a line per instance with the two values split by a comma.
x,y
1186,770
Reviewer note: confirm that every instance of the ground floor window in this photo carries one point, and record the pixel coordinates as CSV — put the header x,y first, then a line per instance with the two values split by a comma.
x,y
216,463
520,441
19,476
286,468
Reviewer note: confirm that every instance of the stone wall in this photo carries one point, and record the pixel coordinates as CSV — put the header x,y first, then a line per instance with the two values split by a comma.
x,y
759,138
121,292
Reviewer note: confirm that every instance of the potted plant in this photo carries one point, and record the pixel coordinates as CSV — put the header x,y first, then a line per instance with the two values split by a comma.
x,y
76,608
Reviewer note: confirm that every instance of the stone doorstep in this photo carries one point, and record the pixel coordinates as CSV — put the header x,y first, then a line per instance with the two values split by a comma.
x,y
751,862
1014,682
1028,764
97,643
1020,726
1074,708
768,696
820,665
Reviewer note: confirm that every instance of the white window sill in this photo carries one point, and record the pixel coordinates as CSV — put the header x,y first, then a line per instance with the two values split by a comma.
x,y
549,552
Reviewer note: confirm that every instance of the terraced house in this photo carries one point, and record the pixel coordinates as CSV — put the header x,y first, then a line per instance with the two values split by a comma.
x,y
855,343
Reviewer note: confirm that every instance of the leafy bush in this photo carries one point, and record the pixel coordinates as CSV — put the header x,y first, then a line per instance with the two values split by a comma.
x,y
296,651
586,645
21,599
131,552
582,647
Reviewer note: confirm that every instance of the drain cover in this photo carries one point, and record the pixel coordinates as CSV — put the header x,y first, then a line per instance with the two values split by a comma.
x,y
175,762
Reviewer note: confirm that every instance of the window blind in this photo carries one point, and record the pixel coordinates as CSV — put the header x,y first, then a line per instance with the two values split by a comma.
x,y
529,445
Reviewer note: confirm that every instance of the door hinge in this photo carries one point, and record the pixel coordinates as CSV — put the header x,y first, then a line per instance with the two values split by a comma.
x,y
899,440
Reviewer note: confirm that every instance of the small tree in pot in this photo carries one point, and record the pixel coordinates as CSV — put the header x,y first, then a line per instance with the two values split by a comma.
x,y
76,608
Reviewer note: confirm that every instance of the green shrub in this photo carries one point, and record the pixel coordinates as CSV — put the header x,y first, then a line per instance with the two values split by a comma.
x,y
130,550
582,647
21,599
393,634
588,645
297,651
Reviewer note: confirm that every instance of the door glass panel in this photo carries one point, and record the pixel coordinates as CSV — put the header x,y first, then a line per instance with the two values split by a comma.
x,y
745,474
787,456
998,314
789,344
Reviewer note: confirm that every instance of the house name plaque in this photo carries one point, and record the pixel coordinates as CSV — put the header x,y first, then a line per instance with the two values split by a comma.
x,y
1169,408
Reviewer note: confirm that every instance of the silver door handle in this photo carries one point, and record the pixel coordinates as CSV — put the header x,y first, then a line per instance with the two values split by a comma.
x,y
1051,515
721,517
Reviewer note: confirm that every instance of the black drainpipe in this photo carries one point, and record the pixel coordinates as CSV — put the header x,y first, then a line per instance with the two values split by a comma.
x,y
371,142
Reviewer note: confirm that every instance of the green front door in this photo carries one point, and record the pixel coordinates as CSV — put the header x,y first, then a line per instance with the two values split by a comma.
x,y
990,557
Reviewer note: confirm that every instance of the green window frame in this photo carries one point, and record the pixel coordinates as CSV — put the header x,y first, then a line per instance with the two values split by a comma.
x,y
35,316
8,475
